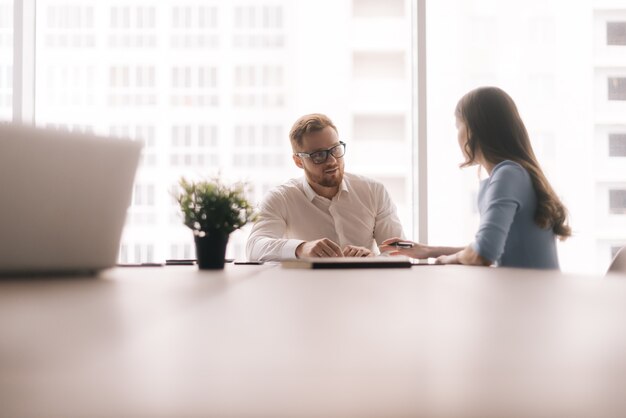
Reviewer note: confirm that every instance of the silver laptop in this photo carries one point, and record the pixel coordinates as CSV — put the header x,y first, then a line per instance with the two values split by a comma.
x,y
64,199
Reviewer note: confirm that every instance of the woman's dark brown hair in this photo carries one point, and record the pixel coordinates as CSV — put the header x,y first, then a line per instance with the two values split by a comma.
x,y
495,129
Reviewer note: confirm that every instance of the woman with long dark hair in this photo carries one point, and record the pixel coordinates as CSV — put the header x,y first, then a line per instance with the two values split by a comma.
x,y
520,214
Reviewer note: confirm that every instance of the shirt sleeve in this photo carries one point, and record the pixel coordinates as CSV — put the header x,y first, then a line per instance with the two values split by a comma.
x,y
502,201
266,241
387,224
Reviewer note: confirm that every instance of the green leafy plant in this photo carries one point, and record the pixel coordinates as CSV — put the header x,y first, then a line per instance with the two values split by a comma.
x,y
211,206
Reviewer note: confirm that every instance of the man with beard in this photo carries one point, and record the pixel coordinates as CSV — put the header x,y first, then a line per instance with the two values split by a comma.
x,y
326,213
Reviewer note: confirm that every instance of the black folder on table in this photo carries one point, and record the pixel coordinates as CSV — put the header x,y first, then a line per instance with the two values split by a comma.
x,y
348,262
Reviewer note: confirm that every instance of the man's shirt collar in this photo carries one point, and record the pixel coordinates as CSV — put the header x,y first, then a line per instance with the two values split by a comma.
x,y
310,193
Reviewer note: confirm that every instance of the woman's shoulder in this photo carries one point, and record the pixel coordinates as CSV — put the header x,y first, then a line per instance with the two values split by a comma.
x,y
509,169
508,166
509,175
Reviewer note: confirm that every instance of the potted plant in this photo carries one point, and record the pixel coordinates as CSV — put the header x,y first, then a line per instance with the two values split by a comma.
x,y
213,210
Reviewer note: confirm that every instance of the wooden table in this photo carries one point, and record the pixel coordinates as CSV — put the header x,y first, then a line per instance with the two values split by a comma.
x,y
436,341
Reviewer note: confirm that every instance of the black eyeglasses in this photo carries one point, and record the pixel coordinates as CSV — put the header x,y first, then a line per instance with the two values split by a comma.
x,y
319,157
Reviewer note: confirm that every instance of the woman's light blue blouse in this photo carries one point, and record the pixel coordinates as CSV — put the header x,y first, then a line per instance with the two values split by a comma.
x,y
508,235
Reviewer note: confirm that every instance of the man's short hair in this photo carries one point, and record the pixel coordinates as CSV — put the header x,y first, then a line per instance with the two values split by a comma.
x,y
306,124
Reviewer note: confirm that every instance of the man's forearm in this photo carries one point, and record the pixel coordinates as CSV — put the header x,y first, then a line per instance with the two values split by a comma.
x,y
271,249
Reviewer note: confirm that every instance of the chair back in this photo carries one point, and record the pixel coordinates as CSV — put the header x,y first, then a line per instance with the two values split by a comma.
x,y
618,265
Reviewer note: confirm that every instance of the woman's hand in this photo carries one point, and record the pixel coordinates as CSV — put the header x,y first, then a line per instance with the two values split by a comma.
x,y
448,259
418,251
466,256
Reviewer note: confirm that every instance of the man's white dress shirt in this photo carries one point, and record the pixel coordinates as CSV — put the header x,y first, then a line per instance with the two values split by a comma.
x,y
360,214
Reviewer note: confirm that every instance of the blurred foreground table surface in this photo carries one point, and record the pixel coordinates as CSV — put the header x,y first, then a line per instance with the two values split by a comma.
x,y
434,341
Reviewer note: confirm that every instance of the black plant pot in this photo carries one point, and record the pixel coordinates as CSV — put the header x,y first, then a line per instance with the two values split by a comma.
x,y
211,250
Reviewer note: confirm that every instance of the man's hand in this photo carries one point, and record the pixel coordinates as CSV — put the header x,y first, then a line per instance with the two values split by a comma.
x,y
354,251
319,248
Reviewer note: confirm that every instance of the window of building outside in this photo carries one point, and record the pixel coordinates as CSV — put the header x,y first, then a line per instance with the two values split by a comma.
x,y
214,87
516,46
6,60
617,88
616,33
617,201
617,145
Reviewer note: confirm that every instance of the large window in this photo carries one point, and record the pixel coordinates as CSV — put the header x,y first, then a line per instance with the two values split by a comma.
x,y
563,65
6,60
213,87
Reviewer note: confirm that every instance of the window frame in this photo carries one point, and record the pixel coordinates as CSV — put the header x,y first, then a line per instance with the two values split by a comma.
x,y
24,61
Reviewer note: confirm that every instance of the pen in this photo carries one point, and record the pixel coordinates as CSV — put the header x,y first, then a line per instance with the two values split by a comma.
x,y
402,244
